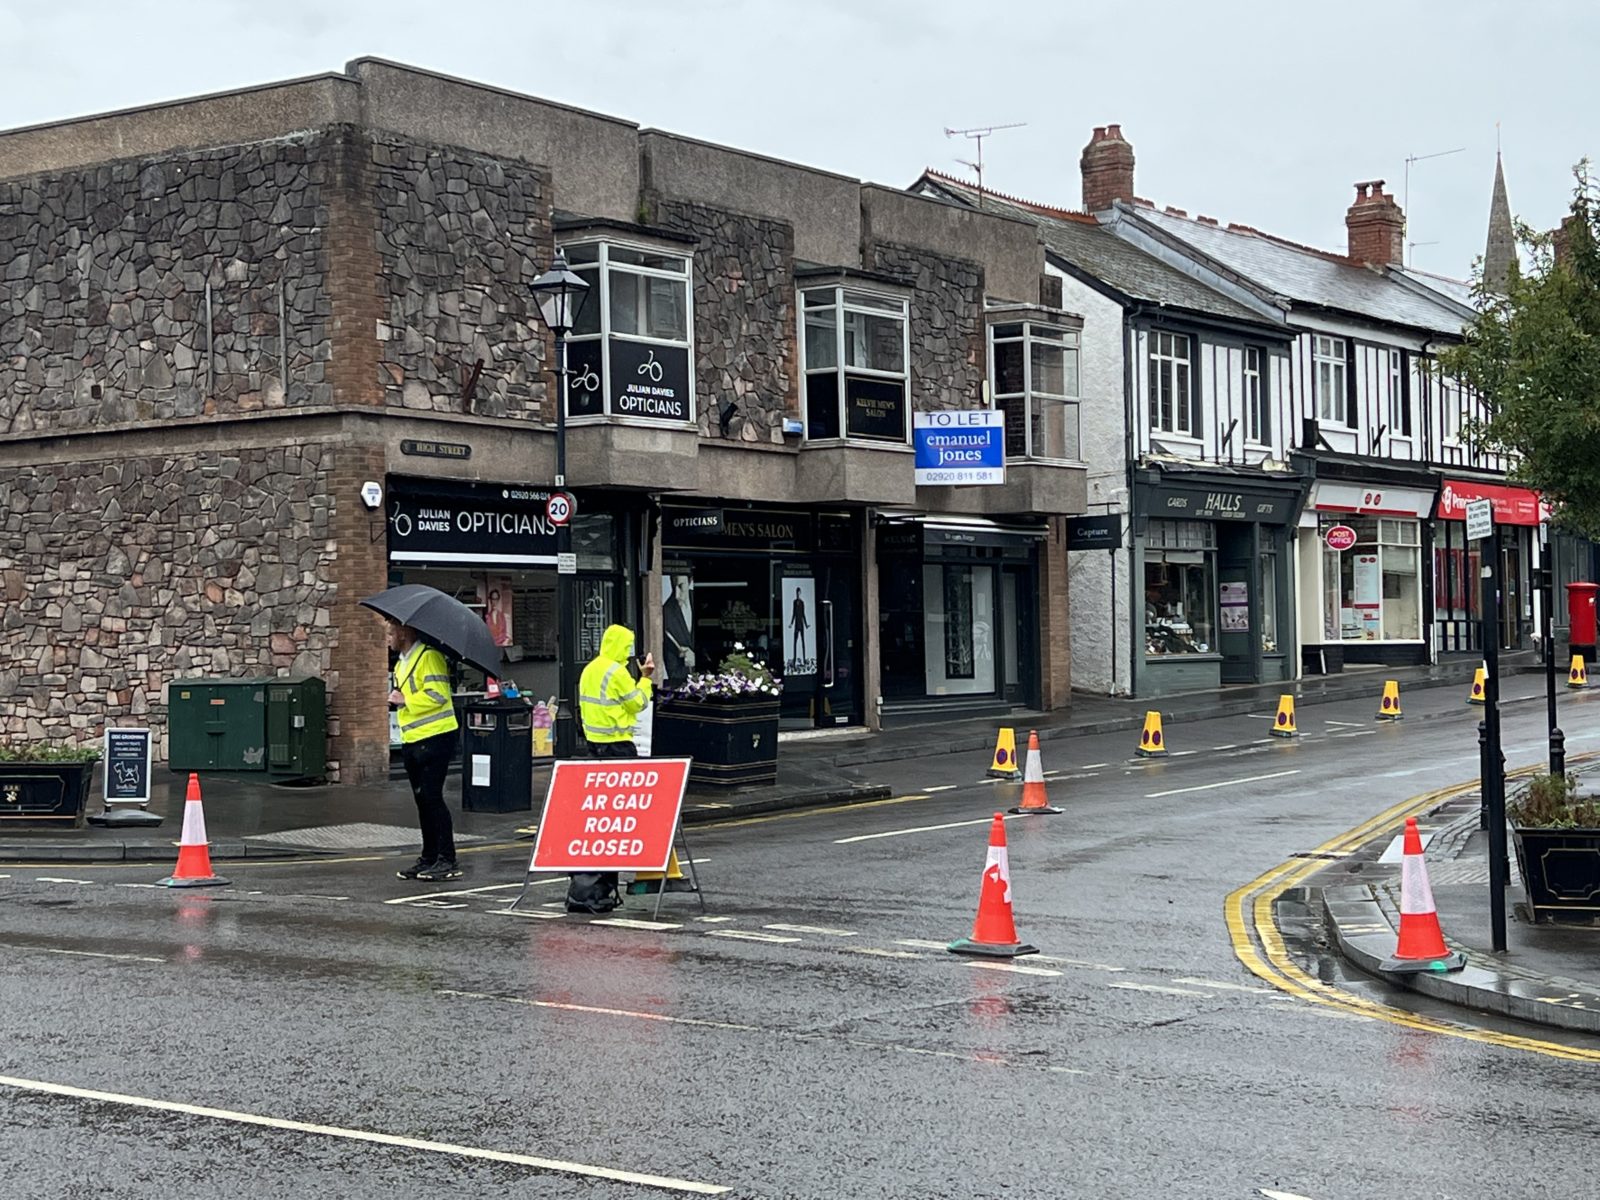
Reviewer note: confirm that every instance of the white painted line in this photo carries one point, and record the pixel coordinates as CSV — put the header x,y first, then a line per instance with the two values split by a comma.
x,y
1227,987
1266,741
630,923
1095,766
1014,968
1357,733
942,787
53,879
127,885
1271,1195
1079,962
1182,753
96,954
1318,1010
1151,987
714,920
868,837
876,953
1350,724
472,891
523,912
749,935
1206,787
437,904
1395,850
1261,716
921,944
1229,746
820,930
365,1135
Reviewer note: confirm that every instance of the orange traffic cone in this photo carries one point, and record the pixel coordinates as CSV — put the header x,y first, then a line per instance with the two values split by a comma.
x,y
1480,680
994,933
194,855
1421,943
1033,797
1577,674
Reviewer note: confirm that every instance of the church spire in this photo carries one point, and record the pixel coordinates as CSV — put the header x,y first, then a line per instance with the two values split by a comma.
x,y
1501,251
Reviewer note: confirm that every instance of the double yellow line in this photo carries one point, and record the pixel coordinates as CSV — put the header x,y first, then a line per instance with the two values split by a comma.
x,y
1259,944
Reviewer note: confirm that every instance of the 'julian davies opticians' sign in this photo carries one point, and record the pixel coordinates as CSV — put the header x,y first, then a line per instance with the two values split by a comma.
x,y
463,523
643,381
959,447
1216,504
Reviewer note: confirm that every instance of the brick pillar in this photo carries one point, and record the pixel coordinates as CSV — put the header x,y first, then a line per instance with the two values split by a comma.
x,y
358,683
354,273
1055,621
871,642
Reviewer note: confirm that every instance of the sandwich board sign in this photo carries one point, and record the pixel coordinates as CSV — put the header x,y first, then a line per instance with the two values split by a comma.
x,y
127,759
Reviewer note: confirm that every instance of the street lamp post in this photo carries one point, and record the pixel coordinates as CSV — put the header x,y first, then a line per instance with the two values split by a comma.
x,y
560,295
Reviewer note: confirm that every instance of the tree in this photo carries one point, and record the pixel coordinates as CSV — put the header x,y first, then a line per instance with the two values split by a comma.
x,y
1533,356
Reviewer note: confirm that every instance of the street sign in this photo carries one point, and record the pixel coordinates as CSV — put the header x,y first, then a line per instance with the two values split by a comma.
x,y
559,508
610,815
1480,520
567,563
127,758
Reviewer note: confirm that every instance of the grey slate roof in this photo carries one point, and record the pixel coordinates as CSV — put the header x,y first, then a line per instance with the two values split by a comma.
x,y
1101,254
1459,290
1305,275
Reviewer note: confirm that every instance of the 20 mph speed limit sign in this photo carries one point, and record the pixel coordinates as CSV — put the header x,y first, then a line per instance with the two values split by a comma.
x,y
559,508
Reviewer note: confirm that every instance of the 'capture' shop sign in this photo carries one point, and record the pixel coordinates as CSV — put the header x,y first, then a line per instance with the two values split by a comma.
x,y
959,447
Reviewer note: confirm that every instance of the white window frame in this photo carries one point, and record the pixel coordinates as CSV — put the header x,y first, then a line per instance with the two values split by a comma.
x,y
1398,406
601,294
1329,371
1253,384
1070,342
879,304
1164,366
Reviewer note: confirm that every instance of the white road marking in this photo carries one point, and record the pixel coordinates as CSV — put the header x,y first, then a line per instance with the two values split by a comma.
x,y
1014,968
1206,787
1151,987
1395,850
1079,962
97,954
1317,1010
820,930
523,912
714,920
749,935
1357,733
868,837
140,885
365,1135
1094,766
1351,724
1183,753
53,879
630,923
472,891
942,787
1229,746
1271,1195
922,944
437,904
1227,987
875,952
1261,716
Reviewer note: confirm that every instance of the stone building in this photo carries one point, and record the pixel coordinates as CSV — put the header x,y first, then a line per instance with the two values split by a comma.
x,y
220,318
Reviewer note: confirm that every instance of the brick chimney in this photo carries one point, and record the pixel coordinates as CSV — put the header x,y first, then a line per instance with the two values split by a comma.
x,y
1107,166
1376,226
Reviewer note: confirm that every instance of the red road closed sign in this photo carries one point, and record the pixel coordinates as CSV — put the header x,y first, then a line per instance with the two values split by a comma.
x,y
610,815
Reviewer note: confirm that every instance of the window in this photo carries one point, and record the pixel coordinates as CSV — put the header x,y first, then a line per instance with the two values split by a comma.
x,y
1328,360
1033,372
1399,394
1255,401
1269,602
1372,590
628,355
1180,588
856,348
1169,384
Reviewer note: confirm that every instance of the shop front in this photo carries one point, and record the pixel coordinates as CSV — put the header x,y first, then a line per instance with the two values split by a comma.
x,y
1211,561
784,584
958,612
1457,580
1362,587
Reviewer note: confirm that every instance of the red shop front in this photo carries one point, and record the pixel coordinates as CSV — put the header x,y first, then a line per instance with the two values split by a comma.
x,y
1457,581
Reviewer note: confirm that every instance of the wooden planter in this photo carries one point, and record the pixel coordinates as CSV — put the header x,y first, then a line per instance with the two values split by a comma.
x,y
732,742
44,795
1560,871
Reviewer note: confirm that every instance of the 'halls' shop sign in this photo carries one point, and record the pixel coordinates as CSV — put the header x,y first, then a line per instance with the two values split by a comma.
x,y
1512,505
434,521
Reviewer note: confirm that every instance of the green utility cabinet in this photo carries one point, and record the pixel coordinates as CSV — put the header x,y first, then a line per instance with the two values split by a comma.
x,y
277,726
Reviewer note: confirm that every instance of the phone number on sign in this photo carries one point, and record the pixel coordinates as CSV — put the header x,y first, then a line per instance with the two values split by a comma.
x,y
987,475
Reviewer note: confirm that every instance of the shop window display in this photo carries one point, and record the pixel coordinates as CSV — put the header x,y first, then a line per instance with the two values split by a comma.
x,y
1372,589
1180,588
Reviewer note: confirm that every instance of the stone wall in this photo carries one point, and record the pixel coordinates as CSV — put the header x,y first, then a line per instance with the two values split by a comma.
x,y
119,576
460,235
744,319
151,289
947,343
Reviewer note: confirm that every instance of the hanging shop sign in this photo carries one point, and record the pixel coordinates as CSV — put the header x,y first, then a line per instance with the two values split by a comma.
x,y
1511,505
1102,532
433,521
1340,537
959,448
643,381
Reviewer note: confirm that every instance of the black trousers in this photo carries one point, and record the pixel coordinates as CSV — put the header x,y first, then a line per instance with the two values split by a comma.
x,y
427,763
608,750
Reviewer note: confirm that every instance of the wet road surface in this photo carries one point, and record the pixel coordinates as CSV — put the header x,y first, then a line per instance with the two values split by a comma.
x,y
325,1027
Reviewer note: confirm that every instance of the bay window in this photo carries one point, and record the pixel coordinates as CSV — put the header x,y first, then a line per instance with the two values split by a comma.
x,y
1034,381
855,345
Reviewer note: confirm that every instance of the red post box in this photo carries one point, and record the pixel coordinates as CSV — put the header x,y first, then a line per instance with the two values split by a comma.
x,y
1581,618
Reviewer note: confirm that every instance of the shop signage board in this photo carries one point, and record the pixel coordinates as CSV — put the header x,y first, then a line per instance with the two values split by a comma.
x,y
441,521
643,381
959,448
1480,519
1216,504
431,449
1510,505
127,766
1340,537
1103,532
610,815
1234,598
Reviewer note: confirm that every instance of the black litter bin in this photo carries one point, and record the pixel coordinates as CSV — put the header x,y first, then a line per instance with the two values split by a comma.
x,y
497,756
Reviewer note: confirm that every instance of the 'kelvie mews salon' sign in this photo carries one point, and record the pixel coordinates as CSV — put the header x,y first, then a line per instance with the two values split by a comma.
x,y
642,381
443,522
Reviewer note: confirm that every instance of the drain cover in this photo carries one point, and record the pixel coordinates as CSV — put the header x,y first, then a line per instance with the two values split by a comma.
x,y
363,835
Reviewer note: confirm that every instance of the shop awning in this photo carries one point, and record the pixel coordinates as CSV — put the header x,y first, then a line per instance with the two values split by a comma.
x,y
1512,505
1370,500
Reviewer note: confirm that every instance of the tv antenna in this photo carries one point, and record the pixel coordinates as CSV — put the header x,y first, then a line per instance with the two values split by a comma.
x,y
1405,200
977,135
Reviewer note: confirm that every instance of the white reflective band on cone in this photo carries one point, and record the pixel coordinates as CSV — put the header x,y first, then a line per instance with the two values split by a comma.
x,y
998,861
1416,897
1034,773
194,824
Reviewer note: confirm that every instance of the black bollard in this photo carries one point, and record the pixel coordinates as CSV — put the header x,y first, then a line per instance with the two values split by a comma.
x,y
1483,774
1558,752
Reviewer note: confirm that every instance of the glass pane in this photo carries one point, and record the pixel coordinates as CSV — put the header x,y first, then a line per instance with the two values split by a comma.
x,y
822,405
877,343
587,253
1178,607
1016,411
1069,364
652,259
819,297
1055,429
594,540
822,343
1049,372
1180,399
588,318
1269,603
1047,333
868,300
1402,595
1008,372
667,309
624,302
1007,331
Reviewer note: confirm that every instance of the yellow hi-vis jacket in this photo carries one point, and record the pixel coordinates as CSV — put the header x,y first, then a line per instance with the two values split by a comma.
x,y
423,679
609,698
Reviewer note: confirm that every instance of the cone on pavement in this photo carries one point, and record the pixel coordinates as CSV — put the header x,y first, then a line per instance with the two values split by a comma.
x,y
1480,681
194,854
1034,799
1283,724
648,883
1004,765
994,932
1420,946
1577,674
1151,742
1389,706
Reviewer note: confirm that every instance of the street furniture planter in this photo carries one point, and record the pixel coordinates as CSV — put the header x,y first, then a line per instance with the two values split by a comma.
x,y
1560,871
44,794
732,742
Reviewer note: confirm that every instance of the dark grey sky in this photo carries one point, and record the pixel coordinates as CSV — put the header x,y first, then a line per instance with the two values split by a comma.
x,y
1263,113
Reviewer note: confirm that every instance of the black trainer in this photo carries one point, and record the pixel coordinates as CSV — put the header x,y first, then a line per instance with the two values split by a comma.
x,y
440,871
415,869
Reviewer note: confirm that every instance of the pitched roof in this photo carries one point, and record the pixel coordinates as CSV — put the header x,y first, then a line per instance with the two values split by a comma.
x,y
1080,240
1314,277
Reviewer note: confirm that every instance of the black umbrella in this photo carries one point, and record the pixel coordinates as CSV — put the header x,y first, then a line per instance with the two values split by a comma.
x,y
442,621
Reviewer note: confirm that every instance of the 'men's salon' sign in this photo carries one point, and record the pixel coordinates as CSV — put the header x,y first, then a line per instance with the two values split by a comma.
x,y
959,447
